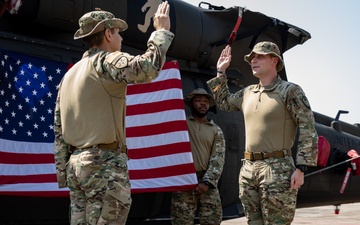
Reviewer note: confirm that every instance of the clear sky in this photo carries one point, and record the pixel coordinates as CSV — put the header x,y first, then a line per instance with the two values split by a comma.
x,y
327,65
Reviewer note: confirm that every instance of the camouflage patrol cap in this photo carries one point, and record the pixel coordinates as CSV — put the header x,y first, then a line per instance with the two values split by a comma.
x,y
265,48
199,91
96,21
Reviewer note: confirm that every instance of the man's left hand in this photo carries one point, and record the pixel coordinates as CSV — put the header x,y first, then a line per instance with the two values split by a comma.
x,y
297,179
202,188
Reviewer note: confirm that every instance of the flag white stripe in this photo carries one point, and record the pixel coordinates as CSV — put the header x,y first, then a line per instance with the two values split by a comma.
x,y
186,179
155,118
160,161
171,73
26,147
32,187
27,169
156,96
157,140
134,164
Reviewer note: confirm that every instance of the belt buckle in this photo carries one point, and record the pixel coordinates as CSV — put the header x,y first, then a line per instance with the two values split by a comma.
x,y
286,152
258,155
248,156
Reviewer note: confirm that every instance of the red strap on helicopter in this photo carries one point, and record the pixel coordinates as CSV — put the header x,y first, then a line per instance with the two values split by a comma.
x,y
346,178
237,25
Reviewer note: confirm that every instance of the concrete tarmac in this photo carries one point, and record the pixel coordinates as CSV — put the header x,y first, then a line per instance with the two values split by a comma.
x,y
349,215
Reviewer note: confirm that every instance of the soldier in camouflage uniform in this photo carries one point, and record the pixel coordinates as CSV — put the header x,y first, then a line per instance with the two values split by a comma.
x,y
273,111
208,150
90,150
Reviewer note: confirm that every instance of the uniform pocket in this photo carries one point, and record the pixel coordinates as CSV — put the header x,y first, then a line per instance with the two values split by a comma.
x,y
279,172
247,170
117,198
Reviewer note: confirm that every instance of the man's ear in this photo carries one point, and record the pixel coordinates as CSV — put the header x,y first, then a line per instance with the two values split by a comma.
x,y
107,35
275,60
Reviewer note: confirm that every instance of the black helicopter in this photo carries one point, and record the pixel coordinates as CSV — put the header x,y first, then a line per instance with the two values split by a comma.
x,y
45,28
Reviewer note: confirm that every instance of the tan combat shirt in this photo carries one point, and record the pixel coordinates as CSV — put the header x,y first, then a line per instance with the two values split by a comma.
x,y
208,148
91,105
272,115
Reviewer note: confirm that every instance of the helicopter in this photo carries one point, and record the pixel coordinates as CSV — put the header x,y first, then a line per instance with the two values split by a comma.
x,y
45,28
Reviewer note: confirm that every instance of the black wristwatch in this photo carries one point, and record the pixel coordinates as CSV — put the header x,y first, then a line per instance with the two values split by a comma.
x,y
207,183
302,168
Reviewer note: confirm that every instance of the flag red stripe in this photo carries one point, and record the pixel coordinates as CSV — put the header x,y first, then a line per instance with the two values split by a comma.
x,y
160,150
171,65
153,86
168,171
43,178
154,107
155,129
21,158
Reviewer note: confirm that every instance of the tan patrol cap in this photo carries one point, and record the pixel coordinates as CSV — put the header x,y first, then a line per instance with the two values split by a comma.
x,y
96,21
199,91
265,48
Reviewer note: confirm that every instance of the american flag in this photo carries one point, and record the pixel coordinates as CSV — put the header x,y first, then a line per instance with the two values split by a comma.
x,y
159,148
157,135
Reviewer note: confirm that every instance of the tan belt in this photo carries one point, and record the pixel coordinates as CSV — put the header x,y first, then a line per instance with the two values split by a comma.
x,y
252,156
120,147
114,146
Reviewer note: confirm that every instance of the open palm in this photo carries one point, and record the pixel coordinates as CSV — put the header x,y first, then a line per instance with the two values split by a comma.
x,y
224,59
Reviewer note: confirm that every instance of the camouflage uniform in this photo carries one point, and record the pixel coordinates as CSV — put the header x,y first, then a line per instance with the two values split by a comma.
x,y
184,205
208,149
272,115
89,117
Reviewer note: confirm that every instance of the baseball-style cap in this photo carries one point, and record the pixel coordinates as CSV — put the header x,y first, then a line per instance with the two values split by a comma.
x,y
199,91
96,21
265,48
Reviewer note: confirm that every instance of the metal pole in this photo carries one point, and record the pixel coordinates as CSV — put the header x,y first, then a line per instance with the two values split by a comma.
x,y
329,167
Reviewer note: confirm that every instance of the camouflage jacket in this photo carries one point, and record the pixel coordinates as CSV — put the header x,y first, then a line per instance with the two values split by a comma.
x,y
117,67
293,99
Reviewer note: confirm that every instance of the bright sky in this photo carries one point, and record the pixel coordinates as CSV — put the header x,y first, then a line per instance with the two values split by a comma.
x,y
325,66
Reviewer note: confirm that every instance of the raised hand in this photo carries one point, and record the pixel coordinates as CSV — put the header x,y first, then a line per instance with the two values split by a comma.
x,y
224,59
162,18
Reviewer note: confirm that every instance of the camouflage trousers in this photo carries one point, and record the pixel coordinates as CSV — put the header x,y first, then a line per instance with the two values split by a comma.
x,y
99,187
265,191
185,203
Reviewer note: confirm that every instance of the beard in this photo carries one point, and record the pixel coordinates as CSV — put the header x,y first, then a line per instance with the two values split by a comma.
x,y
198,114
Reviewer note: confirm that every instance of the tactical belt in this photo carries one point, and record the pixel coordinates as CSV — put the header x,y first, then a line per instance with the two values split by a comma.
x,y
112,146
119,147
252,156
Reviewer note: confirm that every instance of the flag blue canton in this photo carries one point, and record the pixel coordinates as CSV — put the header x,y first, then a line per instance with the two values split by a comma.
x,y
28,90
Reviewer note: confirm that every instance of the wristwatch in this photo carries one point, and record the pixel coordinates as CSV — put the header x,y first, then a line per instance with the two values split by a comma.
x,y
302,168
208,184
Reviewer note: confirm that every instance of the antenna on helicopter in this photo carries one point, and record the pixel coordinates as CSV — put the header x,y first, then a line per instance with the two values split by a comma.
x,y
340,112
336,124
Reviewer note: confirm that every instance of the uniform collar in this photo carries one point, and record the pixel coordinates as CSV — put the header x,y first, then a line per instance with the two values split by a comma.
x,y
91,51
209,121
270,87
